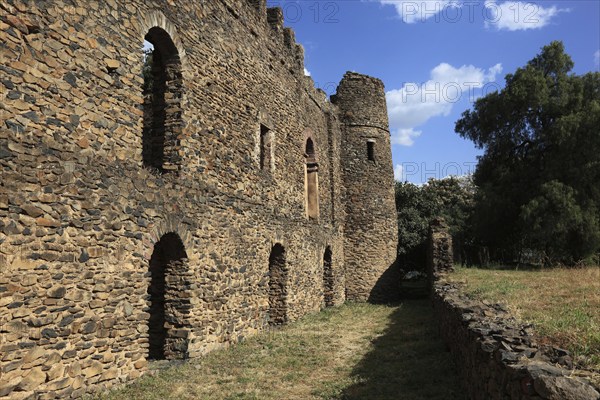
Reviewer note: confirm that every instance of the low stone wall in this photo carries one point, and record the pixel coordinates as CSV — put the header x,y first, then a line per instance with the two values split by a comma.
x,y
498,358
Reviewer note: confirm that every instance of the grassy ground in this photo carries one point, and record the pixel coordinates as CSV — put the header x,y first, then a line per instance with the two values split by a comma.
x,y
563,304
357,351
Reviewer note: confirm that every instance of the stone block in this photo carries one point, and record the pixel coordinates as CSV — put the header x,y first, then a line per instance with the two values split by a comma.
x,y
57,292
112,63
32,379
94,369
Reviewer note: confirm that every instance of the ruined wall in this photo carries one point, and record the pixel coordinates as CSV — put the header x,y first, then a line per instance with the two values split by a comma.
x,y
439,250
371,227
498,358
84,219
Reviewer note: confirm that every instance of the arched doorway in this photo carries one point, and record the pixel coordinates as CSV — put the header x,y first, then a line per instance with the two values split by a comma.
x,y
278,280
312,180
162,93
328,290
168,328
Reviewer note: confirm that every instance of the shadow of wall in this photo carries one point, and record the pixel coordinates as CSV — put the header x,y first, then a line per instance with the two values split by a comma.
x,y
386,289
407,361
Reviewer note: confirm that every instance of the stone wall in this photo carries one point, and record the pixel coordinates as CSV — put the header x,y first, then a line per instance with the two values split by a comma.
x,y
98,226
439,250
498,358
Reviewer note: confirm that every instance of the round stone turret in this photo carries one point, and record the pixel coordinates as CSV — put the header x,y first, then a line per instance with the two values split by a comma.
x,y
371,230
361,100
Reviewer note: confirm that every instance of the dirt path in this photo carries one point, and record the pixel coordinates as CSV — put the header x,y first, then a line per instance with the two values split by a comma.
x,y
357,351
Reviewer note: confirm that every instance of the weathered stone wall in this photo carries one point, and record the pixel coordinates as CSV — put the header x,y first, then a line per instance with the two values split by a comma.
x,y
82,217
371,230
439,250
498,358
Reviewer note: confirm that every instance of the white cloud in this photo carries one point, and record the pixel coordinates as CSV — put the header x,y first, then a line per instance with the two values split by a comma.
x,y
411,11
518,15
493,71
414,104
509,15
399,173
597,59
405,137
306,72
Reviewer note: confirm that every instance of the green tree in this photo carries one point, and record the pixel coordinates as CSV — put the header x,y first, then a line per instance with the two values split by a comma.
x,y
558,225
415,209
450,198
455,199
147,71
537,178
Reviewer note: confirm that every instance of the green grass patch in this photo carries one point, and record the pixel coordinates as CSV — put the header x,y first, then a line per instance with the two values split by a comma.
x,y
356,351
563,304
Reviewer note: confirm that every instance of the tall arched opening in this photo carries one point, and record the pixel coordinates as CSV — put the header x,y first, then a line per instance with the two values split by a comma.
x,y
312,180
162,91
328,283
170,279
278,282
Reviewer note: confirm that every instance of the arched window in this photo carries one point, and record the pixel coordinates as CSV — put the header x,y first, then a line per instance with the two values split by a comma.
x,y
278,277
162,93
312,180
310,150
167,324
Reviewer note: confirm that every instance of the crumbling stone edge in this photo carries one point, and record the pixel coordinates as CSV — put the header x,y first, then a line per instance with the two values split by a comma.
x,y
497,357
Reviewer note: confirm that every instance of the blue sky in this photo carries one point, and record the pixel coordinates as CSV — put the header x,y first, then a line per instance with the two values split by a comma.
x,y
434,58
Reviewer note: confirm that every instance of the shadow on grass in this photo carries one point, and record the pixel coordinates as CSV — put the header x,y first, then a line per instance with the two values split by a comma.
x,y
408,361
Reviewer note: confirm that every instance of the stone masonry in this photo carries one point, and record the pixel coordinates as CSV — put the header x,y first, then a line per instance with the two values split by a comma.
x,y
498,357
440,259
164,218
371,222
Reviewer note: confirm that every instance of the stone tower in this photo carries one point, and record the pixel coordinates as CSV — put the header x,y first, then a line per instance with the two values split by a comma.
x,y
371,231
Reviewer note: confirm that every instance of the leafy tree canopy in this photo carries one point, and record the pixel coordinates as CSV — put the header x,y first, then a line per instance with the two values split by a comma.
x,y
538,177
450,198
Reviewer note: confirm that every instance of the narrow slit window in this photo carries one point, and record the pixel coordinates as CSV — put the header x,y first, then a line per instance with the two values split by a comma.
x,y
265,148
371,150
312,180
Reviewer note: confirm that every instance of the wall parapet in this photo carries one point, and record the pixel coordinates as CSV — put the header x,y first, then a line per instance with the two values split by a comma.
x,y
498,357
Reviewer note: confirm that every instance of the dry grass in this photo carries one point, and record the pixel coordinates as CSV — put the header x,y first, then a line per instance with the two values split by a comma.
x,y
357,351
563,304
